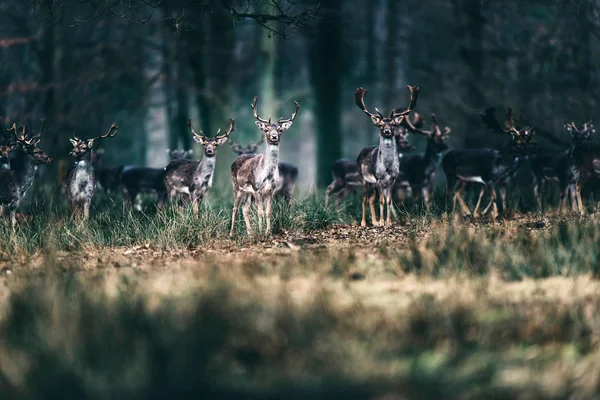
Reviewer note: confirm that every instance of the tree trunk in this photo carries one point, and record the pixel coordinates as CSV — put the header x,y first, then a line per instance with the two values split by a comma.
x,y
266,72
326,66
181,135
391,51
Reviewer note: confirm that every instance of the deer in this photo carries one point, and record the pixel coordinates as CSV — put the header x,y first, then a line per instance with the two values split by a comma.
x,y
194,178
288,173
489,167
586,157
256,176
108,178
417,170
140,180
7,145
81,180
15,182
561,168
378,166
346,179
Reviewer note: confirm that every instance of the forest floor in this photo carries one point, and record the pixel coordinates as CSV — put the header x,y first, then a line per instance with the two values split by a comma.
x,y
429,308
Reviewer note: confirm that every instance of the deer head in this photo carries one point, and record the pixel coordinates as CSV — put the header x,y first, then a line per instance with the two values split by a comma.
x,y
82,147
436,137
387,126
273,130
585,132
179,154
251,148
28,143
211,144
522,140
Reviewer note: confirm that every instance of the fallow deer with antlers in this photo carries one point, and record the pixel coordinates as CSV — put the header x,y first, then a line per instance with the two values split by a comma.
x,y
194,178
561,168
288,173
417,170
81,180
378,166
346,179
15,181
492,168
256,177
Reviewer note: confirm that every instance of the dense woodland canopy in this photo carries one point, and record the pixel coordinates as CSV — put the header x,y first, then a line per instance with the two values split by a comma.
x,y
149,65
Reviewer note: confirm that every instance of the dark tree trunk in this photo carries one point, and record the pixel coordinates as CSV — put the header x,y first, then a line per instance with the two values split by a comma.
x,y
391,50
181,134
326,62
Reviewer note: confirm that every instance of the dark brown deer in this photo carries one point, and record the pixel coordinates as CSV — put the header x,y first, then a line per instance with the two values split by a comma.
x,y
15,181
378,166
288,173
144,180
256,177
194,178
417,170
489,167
81,180
561,168
346,179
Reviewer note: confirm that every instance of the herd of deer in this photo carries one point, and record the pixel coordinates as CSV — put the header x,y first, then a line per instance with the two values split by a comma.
x,y
390,169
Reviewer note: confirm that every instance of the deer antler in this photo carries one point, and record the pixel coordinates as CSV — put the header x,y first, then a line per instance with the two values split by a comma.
x,y
509,123
112,132
199,136
231,129
414,95
281,120
415,126
359,97
256,112
22,138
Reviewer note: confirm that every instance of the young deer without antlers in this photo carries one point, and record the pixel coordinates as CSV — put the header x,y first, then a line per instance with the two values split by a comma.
x,y
345,172
194,178
257,176
81,180
288,173
560,167
378,166
418,170
15,182
489,167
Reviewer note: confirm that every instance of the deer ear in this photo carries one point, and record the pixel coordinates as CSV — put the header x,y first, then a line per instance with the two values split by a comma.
x,y
285,126
90,143
376,120
73,141
221,141
198,139
398,120
261,125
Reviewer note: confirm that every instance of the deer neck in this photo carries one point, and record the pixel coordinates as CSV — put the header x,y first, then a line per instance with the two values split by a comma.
x,y
270,158
207,165
24,168
84,162
388,153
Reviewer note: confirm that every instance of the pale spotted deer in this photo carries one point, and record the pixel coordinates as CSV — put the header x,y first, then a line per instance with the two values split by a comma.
x,y
15,182
288,173
194,178
256,177
81,180
378,166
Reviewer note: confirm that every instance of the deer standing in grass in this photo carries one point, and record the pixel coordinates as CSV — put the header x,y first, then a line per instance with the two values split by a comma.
x,y
256,176
81,180
378,166
417,170
346,179
194,178
15,182
288,173
7,145
491,168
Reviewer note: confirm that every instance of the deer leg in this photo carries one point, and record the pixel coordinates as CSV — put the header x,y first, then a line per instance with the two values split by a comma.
x,y
246,212
494,205
86,210
236,203
455,196
372,198
363,221
537,194
463,205
390,206
13,218
481,194
502,190
268,212
563,199
381,207
582,209
334,187
259,207
195,204
573,196
426,198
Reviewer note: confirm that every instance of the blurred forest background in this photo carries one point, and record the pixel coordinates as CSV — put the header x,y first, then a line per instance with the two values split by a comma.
x,y
149,65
